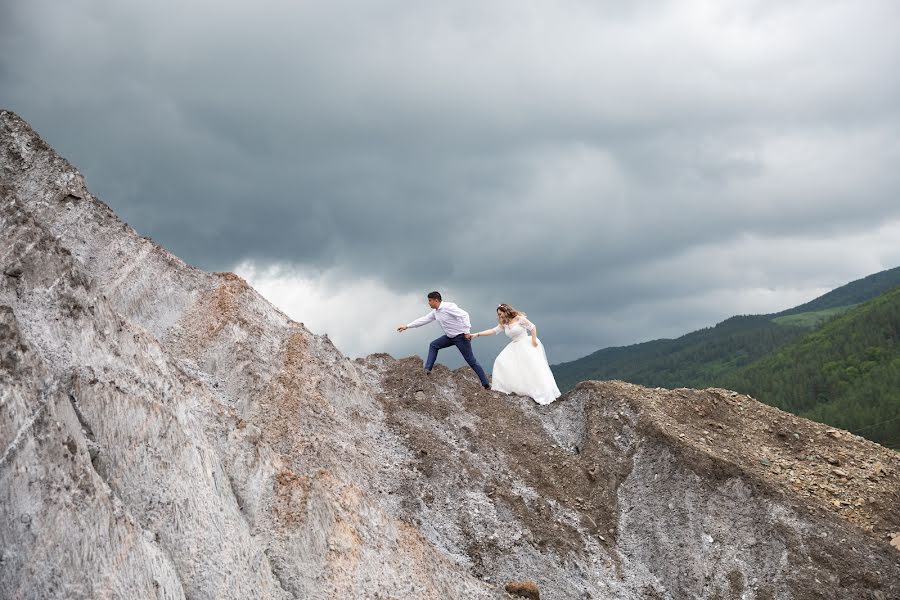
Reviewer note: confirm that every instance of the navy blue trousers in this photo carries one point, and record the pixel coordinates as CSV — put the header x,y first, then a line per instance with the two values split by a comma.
x,y
465,348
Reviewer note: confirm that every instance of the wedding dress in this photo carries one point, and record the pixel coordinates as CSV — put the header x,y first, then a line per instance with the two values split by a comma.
x,y
522,368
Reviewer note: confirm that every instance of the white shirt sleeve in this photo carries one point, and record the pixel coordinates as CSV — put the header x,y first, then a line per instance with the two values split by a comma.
x,y
422,320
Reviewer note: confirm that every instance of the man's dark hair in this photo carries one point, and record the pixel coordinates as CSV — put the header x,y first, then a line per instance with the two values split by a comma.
x,y
434,296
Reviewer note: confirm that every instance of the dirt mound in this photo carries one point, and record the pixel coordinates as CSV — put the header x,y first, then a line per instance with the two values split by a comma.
x,y
845,474
699,493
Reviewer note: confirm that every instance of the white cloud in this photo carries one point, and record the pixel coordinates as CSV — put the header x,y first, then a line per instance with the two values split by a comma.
x,y
359,315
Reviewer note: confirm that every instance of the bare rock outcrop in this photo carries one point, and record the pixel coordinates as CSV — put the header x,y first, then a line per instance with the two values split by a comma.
x,y
228,440
166,433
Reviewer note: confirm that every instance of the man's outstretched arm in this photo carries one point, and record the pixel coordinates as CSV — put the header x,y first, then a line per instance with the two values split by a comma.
x,y
418,322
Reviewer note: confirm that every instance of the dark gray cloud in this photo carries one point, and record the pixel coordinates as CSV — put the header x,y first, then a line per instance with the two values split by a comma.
x,y
620,171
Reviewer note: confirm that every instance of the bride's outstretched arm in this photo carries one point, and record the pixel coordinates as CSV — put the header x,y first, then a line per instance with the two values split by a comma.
x,y
492,331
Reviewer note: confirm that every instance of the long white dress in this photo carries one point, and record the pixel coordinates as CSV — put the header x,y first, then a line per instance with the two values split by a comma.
x,y
522,368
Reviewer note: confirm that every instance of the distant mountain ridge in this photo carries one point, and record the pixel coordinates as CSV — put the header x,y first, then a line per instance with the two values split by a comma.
x,y
709,356
854,292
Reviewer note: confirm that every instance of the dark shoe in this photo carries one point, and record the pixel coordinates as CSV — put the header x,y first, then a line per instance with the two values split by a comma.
x,y
486,386
428,371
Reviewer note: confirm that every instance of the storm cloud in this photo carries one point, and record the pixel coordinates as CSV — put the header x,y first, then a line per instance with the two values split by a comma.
x,y
620,172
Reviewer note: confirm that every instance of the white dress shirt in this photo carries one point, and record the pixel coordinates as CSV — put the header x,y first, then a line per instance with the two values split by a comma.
x,y
453,319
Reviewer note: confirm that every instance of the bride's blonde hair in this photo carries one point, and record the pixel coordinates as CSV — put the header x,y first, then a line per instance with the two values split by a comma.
x,y
506,313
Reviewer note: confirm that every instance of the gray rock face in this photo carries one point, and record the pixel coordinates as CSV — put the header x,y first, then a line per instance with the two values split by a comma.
x,y
167,433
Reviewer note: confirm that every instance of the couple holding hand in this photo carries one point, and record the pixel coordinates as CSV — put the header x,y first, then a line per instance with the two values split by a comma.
x,y
520,368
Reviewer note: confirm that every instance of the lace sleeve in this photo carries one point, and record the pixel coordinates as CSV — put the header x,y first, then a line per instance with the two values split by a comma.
x,y
528,325
497,329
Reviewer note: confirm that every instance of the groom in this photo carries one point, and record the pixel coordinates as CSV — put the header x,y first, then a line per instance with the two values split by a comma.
x,y
455,323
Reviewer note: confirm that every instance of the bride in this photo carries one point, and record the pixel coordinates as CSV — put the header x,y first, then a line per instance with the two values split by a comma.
x,y
521,368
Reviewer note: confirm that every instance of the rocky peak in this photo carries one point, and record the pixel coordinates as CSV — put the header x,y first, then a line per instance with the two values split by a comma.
x,y
167,432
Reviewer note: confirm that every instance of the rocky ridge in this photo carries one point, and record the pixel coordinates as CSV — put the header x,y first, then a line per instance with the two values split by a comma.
x,y
168,433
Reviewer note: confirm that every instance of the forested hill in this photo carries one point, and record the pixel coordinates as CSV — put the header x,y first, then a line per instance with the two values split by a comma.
x,y
695,360
846,373
704,357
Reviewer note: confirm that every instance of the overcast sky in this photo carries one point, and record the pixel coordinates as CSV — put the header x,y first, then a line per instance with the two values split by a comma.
x,y
622,171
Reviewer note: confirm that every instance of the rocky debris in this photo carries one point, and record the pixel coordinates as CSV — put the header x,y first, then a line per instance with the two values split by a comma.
x,y
524,589
180,437
619,471
795,453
